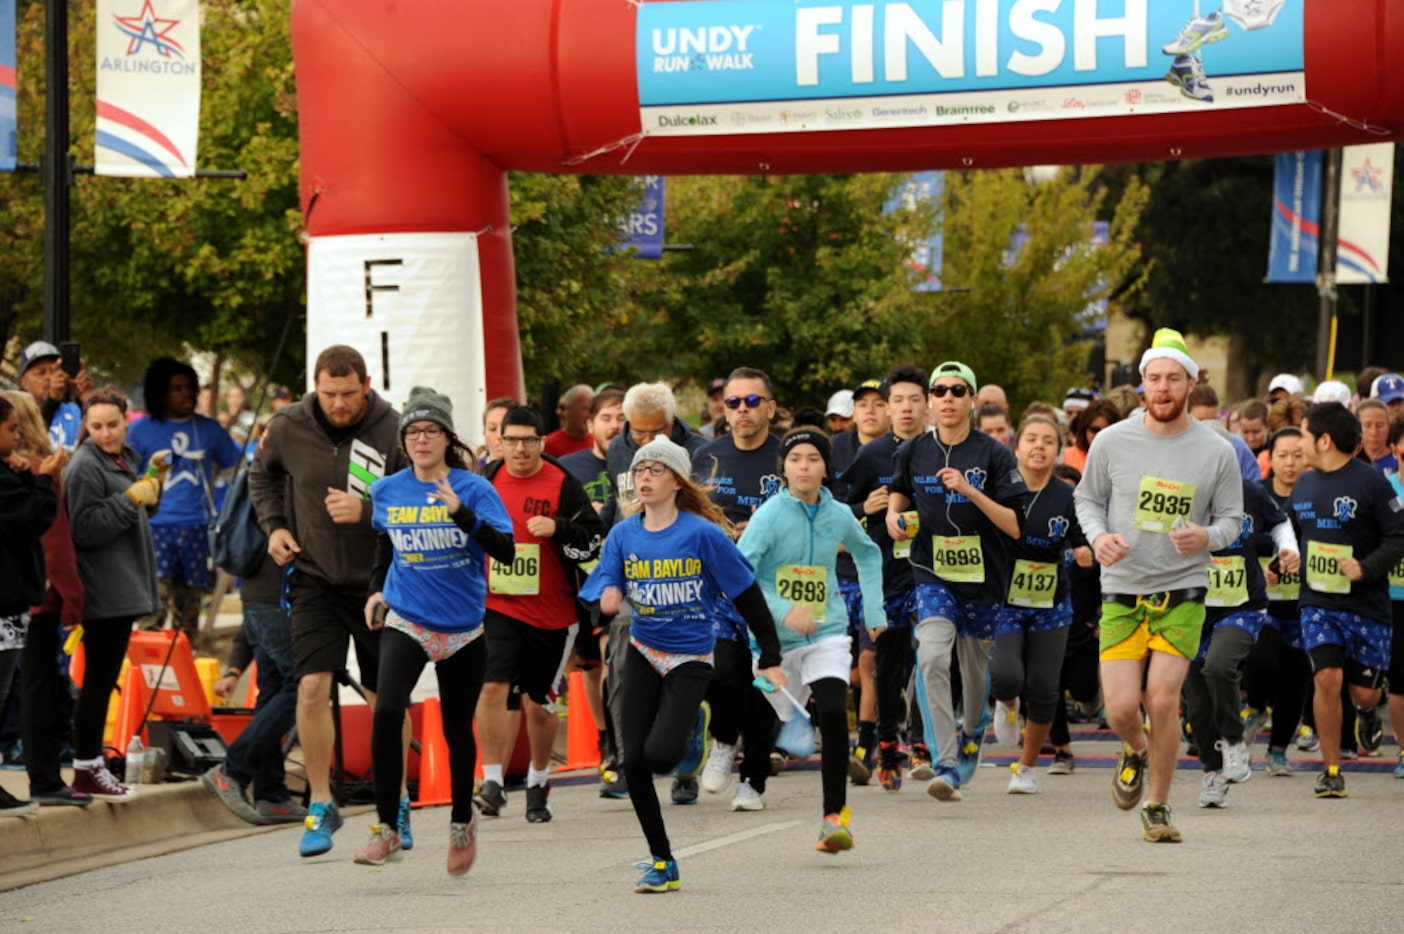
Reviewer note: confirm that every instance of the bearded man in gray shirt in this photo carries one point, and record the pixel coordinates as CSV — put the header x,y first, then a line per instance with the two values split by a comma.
x,y
1160,492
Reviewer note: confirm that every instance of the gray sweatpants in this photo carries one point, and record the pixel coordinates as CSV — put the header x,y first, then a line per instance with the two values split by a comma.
x,y
935,639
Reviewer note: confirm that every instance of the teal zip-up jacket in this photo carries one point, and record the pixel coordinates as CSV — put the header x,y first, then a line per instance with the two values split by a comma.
x,y
785,532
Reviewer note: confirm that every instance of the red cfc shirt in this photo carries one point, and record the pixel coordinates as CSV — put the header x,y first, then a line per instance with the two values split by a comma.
x,y
534,589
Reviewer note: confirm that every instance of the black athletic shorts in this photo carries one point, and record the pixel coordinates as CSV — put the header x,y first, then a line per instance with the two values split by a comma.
x,y
324,619
532,658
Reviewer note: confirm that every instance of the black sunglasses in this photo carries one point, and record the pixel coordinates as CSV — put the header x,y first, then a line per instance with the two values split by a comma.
x,y
960,392
752,401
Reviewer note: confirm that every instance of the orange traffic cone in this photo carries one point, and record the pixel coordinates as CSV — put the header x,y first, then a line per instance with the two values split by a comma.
x,y
435,773
582,735
132,711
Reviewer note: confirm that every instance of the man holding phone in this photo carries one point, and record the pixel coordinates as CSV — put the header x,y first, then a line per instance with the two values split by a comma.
x,y
44,374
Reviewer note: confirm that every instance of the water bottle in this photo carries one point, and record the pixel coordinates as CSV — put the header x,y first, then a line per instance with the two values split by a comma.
x,y
136,758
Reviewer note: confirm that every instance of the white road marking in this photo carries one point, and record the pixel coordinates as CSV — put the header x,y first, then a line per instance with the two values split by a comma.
x,y
729,839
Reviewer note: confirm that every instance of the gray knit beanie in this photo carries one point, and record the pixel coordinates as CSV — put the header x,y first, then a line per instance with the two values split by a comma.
x,y
427,405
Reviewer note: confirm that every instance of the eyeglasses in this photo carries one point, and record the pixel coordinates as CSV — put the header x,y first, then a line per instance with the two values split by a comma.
x,y
651,469
959,391
752,401
529,441
432,433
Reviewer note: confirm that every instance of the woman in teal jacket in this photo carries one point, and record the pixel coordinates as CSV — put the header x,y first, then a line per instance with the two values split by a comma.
x,y
793,542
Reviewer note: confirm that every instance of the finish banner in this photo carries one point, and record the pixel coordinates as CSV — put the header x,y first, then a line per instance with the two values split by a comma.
x,y
9,82
725,67
148,88
1367,188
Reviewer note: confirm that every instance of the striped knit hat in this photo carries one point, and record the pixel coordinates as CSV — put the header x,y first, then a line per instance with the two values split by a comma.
x,y
1169,344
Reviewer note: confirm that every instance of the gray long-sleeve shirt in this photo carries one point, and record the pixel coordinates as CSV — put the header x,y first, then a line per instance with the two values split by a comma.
x,y
1193,473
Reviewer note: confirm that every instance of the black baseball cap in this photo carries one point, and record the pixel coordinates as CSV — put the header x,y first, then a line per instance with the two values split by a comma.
x,y
878,386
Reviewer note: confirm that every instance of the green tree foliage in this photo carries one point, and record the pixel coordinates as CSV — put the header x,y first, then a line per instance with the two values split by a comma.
x,y
801,276
808,279
573,286
1205,233
1016,317
158,264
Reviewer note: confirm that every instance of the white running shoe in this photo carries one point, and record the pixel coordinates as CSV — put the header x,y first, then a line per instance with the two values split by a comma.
x,y
747,798
1237,765
1006,722
716,774
1022,780
1213,790
1197,33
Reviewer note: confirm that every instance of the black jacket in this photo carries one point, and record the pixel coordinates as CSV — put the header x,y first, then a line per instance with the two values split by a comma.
x,y
28,505
298,462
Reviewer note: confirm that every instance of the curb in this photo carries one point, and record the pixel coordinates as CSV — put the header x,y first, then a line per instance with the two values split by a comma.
x,y
62,841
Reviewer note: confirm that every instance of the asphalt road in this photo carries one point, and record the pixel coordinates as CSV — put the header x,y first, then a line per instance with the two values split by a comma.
x,y
1065,860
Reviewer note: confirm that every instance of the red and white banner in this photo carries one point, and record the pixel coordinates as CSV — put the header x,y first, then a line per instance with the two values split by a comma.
x,y
148,88
1367,182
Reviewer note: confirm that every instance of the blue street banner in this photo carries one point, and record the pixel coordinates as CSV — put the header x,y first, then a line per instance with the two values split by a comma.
x,y
148,88
641,232
1296,217
9,83
928,252
726,67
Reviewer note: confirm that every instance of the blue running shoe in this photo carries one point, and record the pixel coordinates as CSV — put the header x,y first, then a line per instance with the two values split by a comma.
x,y
402,824
968,755
1399,769
946,785
1187,74
660,875
322,821
696,755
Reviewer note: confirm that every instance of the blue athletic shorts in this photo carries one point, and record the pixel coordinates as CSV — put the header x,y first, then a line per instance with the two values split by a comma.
x,y
1364,640
1015,619
183,554
934,601
857,628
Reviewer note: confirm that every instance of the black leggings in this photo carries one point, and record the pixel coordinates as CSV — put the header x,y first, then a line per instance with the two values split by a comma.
x,y
40,708
104,647
1276,676
893,665
831,710
1029,664
1081,679
1212,697
740,711
659,715
460,682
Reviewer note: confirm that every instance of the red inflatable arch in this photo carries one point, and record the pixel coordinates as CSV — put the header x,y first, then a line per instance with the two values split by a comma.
x,y
412,111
